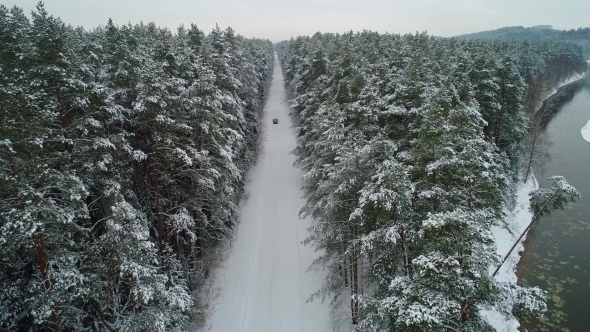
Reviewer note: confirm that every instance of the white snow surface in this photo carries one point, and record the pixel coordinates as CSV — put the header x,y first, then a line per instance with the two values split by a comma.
x,y
263,285
571,79
518,219
586,132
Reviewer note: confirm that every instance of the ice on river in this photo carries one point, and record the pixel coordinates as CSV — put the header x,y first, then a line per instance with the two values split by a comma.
x,y
586,132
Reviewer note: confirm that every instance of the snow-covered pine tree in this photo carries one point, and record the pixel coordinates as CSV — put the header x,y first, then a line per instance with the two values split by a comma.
x,y
47,196
510,122
103,132
15,53
407,165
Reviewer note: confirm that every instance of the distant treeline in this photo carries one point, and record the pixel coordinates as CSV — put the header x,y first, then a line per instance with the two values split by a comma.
x,y
122,156
580,36
410,147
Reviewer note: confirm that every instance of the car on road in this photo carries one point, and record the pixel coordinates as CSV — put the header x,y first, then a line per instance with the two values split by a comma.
x,y
275,121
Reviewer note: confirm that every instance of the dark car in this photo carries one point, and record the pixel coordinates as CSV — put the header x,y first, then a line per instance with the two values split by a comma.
x,y
275,121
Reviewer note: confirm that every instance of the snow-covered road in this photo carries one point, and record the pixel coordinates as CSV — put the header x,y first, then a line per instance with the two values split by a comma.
x,y
264,286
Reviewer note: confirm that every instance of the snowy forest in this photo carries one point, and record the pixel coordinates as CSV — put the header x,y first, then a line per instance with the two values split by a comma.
x,y
411,148
124,151
580,36
122,156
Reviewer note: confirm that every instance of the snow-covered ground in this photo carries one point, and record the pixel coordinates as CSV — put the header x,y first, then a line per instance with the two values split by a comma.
x,y
571,79
586,132
518,220
263,285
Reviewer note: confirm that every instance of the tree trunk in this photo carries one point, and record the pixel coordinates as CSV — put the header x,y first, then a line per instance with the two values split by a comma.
x,y
345,274
499,117
42,260
464,309
464,302
355,279
352,306
497,130
64,125
524,232
356,288
405,253
158,212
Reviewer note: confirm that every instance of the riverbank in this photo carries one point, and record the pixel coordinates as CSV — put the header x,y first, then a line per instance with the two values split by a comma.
x,y
517,221
574,78
557,256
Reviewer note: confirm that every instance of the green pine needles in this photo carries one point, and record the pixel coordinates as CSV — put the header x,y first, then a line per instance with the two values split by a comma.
x,y
409,146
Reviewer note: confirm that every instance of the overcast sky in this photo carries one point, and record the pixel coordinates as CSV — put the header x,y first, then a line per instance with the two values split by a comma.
x,y
281,19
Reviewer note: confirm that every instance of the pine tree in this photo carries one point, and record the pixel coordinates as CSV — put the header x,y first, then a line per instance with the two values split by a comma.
x,y
118,169
409,146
